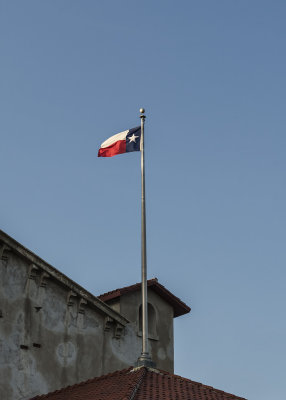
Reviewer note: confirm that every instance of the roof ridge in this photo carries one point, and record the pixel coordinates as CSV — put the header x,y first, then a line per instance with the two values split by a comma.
x,y
138,384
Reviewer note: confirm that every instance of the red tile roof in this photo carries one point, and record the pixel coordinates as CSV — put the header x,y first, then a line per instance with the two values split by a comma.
x,y
139,384
180,308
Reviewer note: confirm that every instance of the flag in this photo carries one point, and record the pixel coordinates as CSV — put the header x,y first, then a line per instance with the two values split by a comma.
x,y
122,142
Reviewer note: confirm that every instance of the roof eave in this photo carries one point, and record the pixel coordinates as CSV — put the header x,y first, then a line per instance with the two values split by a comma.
x,y
61,278
180,308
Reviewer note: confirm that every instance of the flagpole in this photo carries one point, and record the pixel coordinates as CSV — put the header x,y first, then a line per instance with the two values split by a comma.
x,y
144,359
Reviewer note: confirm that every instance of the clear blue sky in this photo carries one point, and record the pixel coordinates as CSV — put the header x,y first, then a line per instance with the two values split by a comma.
x,y
211,75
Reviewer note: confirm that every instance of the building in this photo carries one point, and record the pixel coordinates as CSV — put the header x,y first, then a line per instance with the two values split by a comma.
x,y
54,333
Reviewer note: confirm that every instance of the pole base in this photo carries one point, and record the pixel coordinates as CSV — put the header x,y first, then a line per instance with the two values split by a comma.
x,y
145,361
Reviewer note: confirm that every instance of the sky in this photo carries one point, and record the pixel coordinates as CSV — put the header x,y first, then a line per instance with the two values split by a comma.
x,y
211,76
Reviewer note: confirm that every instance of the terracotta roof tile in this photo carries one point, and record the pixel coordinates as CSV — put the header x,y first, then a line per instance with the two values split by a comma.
x,y
180,308
118,385
165,386
139,384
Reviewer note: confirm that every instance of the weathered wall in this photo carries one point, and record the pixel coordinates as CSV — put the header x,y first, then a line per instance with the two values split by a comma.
x,y
161,333
53,333
48,340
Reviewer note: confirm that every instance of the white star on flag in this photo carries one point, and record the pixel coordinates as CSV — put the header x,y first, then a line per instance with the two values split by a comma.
x,y
133,138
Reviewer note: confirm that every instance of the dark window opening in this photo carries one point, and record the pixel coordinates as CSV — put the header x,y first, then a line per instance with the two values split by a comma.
x,y
152,321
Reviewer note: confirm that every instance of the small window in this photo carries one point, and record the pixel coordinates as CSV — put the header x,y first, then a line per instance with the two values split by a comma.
x,y
152,321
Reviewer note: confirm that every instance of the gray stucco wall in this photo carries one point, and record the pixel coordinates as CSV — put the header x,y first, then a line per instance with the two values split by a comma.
x,y
161,337
46,342
51,337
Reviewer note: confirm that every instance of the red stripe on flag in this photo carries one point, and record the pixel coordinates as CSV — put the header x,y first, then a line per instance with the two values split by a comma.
x,y
118,147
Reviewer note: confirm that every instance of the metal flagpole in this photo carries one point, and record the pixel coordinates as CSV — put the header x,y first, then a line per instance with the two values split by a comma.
x,y
144,359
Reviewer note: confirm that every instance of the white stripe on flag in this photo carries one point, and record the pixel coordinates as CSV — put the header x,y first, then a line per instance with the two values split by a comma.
x,y
115,138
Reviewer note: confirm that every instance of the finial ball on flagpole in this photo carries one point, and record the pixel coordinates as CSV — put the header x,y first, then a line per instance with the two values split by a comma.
x,y
142,110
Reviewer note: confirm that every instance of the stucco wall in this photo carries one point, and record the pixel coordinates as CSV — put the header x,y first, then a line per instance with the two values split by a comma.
x,y
48,340
50,337
161,339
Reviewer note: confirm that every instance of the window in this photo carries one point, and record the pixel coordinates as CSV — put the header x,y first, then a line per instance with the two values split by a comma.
x,y
152,321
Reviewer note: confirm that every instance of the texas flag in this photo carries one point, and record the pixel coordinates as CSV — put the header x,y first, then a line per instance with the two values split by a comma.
x,y
122,142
